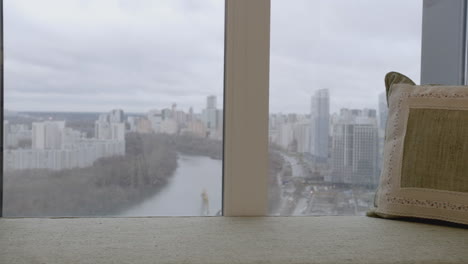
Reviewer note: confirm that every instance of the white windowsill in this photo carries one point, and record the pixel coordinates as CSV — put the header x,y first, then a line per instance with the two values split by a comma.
x,y
229,240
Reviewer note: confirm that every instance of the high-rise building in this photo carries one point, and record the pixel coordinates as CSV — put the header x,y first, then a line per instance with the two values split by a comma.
x,y
290,132
354,157
57,147
116,116
110,126
319,124
166,113
144,126
211,102
190,116
155,117
102,130
210,117
117,131
195,128
132,122
286,136
169,126
302,136
47,134
180,117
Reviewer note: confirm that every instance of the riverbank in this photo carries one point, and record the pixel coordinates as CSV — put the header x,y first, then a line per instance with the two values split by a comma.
x,y
195,189
107,187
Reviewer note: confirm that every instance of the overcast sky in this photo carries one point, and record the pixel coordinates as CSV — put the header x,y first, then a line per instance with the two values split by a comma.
x,y
97,55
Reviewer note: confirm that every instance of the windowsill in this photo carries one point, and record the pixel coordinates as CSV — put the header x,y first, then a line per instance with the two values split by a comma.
x,y
229,240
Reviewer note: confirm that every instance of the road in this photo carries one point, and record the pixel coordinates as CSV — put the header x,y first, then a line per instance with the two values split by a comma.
x,y
296,167
323,198
293,202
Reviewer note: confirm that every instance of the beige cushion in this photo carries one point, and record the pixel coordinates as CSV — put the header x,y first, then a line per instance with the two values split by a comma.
x,y
425,166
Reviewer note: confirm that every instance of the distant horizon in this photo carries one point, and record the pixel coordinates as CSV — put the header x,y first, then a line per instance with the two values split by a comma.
x,y
143,113
90,112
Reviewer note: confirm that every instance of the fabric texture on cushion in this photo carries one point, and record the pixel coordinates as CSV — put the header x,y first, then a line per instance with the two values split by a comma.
x,y
425,166
435,151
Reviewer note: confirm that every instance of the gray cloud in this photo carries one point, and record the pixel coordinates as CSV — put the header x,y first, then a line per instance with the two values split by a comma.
x,y
96,55
346,46
88,55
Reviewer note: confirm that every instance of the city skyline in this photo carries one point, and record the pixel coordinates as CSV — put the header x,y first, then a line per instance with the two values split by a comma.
x,y
56,146
189,108
346,145
344,163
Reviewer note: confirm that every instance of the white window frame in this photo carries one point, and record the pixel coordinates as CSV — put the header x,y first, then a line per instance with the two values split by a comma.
x,y
246,87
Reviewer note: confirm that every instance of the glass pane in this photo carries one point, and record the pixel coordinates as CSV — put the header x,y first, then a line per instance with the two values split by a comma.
x,y
327,106
113,107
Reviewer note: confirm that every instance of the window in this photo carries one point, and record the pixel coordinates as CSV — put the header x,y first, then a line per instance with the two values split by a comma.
x,y
113,108
246,182
327,101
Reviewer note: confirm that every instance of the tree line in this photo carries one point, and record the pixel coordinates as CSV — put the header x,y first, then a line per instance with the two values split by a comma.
x,y
112,184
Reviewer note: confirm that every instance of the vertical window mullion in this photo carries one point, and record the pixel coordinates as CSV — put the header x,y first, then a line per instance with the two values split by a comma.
x,y
1,105
443,46
246,81
465,41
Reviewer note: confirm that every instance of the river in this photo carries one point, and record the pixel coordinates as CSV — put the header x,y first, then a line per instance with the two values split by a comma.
x,y
195,189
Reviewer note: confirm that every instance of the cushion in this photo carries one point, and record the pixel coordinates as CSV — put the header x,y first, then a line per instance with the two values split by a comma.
x,y
425,166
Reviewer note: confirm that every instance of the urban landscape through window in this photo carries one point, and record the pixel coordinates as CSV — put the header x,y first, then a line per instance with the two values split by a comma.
x,y
327,104
113,108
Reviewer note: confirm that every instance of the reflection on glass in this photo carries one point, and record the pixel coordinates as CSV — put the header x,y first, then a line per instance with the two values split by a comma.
x,y
111,107
327,109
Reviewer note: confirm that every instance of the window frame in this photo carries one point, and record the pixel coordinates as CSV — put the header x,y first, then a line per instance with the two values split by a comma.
x,y
442,21
1,105
246,87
